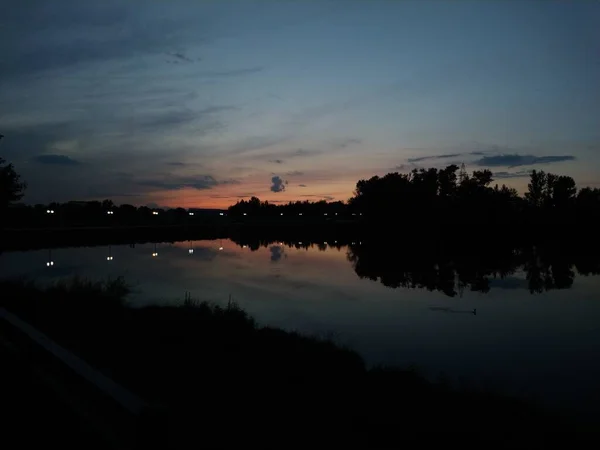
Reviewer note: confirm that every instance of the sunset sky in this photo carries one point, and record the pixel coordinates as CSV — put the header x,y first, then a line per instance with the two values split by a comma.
x,y
201,103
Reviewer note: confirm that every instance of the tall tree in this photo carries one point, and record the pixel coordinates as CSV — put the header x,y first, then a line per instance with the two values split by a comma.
x,y
12,188
536,189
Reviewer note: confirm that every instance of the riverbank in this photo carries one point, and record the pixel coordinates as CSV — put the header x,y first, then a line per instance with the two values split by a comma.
x,y
227,381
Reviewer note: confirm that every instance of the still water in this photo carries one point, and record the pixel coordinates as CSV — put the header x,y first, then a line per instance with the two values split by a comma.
x,y
510,335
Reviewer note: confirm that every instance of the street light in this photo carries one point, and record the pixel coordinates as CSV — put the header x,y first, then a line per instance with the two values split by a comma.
x,y
245,214
221,214
49,211
155,253
110,213
49,263
191,214
155,213
299,214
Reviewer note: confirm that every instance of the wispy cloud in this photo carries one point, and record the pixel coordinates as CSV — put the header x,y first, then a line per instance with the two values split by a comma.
x,y
294,173
348,142
518,174
427,158
302,185
517,160
231,73
276,161
172,183
59,160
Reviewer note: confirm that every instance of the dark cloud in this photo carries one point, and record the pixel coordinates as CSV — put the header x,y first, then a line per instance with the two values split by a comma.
x,y
277,184
302,185
328,198
427,158
294,173
518,174
175,163
171,183
59,160
517,160
276,161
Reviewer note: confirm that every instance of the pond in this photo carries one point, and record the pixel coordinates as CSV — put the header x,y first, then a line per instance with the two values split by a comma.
x,y
523,328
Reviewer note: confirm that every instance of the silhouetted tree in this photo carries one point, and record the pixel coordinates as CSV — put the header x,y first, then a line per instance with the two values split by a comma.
x,y
12,188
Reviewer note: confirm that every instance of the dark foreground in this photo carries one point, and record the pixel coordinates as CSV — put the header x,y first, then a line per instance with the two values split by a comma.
x,y
223,381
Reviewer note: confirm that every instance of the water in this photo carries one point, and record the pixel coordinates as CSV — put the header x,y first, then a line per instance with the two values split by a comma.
x,y
545,344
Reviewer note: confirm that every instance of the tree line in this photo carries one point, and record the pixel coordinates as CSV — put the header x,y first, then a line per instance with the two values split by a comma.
x,y
448,195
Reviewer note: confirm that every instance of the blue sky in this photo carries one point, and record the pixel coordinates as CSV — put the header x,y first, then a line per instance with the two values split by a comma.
x,y
201,103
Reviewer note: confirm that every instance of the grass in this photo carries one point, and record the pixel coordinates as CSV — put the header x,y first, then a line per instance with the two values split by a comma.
x,y
229,382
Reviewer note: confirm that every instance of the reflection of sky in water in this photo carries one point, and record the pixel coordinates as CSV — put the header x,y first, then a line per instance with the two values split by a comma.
x,y
538,343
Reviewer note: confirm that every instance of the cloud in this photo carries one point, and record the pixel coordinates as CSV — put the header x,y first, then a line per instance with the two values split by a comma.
x,y
518,174
516,160
199,182
59,160
294,173
181,57
347,142
302,185
278,184
176,118
276,161
232,73
427,158
175,163
301,152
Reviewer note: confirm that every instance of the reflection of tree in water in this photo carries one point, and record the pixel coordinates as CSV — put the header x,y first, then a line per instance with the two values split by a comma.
x,y
467,269
449,267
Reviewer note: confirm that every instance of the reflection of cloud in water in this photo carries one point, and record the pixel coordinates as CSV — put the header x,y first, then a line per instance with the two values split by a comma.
x,y
276,252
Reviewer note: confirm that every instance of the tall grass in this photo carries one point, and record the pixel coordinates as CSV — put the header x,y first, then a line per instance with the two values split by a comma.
x,y
229,382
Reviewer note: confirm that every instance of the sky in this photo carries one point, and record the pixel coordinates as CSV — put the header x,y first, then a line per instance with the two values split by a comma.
x,y
202,103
